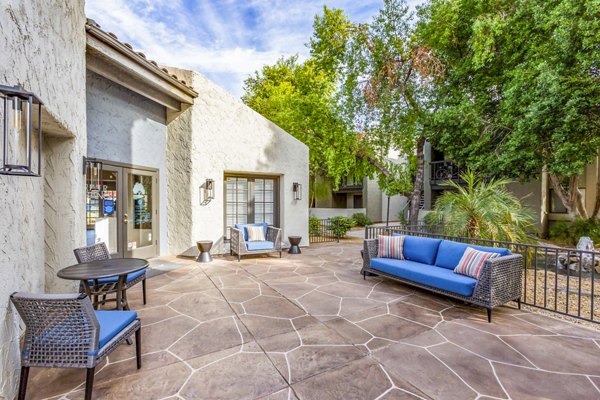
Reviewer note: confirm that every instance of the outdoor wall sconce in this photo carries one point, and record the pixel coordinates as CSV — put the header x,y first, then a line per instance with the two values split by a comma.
x,y
21,143
297,189
208,190
92,168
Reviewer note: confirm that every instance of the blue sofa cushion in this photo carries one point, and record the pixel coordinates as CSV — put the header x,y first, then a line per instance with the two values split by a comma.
x,y
130,277
242,227
430,275
260,245
450,253
113,322
420,249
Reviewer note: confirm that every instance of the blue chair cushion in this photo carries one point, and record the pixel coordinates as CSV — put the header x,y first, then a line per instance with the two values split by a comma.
x,y
260,245
420,249
111,279
242,227
430,275
450,253
113,322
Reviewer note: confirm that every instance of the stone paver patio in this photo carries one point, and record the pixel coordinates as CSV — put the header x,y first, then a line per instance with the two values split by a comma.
x,y
309,327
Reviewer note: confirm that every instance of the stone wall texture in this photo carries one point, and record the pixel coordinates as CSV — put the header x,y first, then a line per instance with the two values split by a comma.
x,y
126,127
219,135
43,50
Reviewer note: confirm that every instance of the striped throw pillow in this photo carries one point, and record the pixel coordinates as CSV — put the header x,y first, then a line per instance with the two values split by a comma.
x,y
472,262
391,247
255,233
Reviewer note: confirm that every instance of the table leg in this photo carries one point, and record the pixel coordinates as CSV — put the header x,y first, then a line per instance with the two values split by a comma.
x,y
120,285
125,302
96,297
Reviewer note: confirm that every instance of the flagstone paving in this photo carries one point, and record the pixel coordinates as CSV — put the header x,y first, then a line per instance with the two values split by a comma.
x,y
309,326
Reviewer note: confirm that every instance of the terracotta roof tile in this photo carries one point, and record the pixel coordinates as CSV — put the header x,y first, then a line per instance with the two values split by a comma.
x,y
92,23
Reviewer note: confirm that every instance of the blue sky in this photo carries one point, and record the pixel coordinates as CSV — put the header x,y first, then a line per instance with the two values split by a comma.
x,y
226,40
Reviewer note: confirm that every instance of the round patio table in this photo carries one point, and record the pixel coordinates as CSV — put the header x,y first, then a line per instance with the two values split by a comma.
x,y
95,270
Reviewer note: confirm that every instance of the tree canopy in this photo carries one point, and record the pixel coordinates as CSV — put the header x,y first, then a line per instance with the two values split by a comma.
x,y
521,89
298,97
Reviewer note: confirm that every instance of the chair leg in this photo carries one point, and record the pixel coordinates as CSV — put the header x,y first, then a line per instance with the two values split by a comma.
x,y
519,303
89,383
280,254
144,290
138,347
23,382
238,258
489,310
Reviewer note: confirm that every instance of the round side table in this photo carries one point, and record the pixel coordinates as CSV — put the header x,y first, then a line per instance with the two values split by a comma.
x,y
294,242
204,247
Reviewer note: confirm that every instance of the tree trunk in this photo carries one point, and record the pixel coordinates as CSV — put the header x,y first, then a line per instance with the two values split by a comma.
x,y
415,197
568,198
545,204
596,213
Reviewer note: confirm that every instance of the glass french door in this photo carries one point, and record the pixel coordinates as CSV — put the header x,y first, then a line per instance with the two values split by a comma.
x,y
125,214
250,199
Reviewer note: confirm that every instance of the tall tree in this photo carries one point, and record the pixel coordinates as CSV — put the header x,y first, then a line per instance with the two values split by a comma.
x,y
384,78
299,98
521,93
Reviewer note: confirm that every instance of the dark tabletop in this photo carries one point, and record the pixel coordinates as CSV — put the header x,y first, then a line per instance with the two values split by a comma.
x,y
103,268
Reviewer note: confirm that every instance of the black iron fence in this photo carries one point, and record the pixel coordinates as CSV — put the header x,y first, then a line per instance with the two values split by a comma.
x,y
444,171
557,279
325,230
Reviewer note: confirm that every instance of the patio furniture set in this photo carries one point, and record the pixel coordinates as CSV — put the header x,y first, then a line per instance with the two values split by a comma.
x,y
67,330
485,276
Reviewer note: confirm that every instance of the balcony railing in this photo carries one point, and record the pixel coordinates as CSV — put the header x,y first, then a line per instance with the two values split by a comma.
x,y
445,170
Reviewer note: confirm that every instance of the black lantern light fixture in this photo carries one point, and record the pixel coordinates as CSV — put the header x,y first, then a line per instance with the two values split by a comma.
x,y
297,189
92,168
209,190
21,142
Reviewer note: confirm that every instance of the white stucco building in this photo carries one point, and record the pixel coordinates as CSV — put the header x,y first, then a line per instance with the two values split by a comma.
x,y
161,135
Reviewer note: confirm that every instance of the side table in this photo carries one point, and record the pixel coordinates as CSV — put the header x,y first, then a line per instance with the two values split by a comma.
x,y
294,242
204,247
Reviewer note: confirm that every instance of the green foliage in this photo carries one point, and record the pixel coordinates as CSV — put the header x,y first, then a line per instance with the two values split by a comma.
x,y
521,86
314,226
484,210
361,219
384,91
341,225
568,233
298,97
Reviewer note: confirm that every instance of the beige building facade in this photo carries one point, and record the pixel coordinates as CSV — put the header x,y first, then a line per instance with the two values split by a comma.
x,y
159,133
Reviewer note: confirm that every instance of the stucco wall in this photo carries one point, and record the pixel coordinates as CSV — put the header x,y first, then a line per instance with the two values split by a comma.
x,y
43,49
126,127
219,134
324,213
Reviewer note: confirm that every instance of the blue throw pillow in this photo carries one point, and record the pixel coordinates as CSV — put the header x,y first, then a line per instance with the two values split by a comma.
x,y
420,249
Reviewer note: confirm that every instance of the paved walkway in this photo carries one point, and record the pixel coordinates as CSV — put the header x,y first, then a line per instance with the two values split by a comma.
x,y
309,327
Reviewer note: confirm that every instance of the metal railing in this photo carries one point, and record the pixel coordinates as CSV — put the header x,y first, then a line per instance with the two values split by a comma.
x,y
326,231
556,279
445,170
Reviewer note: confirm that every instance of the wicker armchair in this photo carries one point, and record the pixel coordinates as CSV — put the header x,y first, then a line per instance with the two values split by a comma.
x,y
241,247
64,331
499,280
99,251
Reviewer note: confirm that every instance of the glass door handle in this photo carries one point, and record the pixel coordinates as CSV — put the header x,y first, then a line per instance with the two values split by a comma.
x,y
125,218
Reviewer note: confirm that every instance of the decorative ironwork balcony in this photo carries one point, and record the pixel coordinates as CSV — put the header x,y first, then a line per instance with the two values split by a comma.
x,y
444,171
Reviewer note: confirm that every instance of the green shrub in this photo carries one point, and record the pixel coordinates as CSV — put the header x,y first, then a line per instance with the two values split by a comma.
x,y
568,233
341,225
361,219
314,225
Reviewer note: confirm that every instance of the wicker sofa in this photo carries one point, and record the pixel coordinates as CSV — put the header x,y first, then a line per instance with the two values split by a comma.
x,y
429,264
241,246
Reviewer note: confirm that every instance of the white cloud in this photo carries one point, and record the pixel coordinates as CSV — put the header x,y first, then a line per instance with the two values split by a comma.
x,y
225,39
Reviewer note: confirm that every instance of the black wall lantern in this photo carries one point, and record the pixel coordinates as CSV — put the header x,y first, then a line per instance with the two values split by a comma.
x,y
297,189
21,143
209,189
